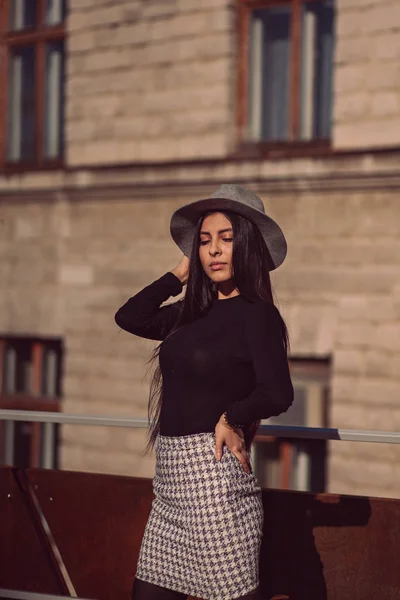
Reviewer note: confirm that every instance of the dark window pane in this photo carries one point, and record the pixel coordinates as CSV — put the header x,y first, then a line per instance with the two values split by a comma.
x,y
18,368
55,11
23,14
54,100
270,74
22,444
317,66
51,373
296,415
21,105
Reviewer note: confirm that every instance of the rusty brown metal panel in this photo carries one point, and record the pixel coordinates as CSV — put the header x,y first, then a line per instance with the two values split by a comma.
x,y
23,561
315,547
97,522
328,547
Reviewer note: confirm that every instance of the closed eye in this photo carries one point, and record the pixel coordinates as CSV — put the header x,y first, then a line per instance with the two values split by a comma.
x,y
204,242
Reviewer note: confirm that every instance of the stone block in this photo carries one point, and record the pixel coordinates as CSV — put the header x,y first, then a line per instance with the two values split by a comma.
x,y
344,387
368,308
157,9
348,24
354,105
379,363
351,415
352,49
183,26
382,76
388,336
107,59
378,391
205,47
86,436
77,275
350,361
130,34
350,78
81,41
356,334
107,16
385,103
195,5
377,18
385,45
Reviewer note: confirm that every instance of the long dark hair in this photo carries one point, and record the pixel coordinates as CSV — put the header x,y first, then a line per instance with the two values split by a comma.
x,y
251,262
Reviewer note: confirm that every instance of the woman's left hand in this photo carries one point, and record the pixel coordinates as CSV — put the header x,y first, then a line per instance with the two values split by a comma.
x,y
234,439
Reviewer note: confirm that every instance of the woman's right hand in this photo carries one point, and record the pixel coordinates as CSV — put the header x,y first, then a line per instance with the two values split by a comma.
x,y
182,270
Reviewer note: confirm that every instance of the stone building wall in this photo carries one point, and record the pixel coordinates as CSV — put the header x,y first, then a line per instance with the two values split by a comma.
x,y
78,255
367,74
151,84
149,80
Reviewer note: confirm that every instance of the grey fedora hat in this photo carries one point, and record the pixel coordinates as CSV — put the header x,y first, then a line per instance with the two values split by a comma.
x,y
232,197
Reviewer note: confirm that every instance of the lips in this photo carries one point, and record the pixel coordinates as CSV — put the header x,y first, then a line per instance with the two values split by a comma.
x,y
216,266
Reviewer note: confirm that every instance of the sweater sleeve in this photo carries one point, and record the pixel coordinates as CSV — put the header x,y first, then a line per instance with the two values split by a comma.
x,y
273,389
143,314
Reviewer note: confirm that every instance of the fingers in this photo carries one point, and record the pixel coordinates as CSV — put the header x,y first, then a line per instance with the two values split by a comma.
x,y
244,461
218,448
239,451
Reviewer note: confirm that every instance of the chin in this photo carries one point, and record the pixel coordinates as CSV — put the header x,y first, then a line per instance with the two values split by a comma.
x,y
218,277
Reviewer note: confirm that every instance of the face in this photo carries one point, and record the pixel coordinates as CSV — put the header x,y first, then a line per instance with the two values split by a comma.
x,y
216,246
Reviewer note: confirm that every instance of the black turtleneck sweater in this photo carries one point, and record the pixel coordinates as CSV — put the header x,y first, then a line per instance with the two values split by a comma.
x,y
231,359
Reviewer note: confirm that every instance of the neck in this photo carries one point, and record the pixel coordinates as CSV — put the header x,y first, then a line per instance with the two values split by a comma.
x,y
226,290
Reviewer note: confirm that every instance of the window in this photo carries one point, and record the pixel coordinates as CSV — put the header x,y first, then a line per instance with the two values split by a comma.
x,y
285,75
30,379
31,80
291,463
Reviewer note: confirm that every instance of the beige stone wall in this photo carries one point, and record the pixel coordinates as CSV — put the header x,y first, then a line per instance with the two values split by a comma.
x,y
71,258
155,80
149,80
367,74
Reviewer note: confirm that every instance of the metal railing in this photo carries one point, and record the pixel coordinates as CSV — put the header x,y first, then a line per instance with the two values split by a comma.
x,y
287,431
50,420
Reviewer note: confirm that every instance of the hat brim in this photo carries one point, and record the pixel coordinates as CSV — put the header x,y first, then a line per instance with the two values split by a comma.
x,y
184,220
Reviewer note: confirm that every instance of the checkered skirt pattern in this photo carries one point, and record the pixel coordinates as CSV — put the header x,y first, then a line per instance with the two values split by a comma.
x,y
203,535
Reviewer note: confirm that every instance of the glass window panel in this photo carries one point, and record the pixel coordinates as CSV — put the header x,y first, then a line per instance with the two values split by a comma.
x,y
296,415
55,11
21,105
23,14
10,370
317,67
270,74
51,372
54,100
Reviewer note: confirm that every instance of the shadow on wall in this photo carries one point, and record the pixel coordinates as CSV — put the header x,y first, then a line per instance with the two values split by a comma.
x,y
300,532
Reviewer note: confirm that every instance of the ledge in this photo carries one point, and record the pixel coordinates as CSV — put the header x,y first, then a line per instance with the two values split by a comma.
x,y
338,171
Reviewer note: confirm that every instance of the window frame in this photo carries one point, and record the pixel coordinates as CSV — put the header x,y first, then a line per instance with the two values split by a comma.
x,y
294,146
37,36
314,374
33,401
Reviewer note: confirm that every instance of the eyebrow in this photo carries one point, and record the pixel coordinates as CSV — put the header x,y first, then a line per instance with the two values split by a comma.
x,y
219,232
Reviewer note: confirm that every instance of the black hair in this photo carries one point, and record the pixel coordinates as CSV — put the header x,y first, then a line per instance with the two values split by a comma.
x,y
251,262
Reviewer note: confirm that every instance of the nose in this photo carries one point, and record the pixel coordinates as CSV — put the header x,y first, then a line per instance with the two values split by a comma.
x,y
215,247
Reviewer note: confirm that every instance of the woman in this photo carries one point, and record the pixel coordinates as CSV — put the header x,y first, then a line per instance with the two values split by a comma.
x,y
223,367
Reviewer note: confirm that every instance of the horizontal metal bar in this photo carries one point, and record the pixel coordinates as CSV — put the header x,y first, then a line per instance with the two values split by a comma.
x,y
320,433
68,419
288,431
16,595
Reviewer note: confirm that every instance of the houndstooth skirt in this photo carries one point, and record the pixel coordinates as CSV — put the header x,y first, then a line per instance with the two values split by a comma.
x,y
203,535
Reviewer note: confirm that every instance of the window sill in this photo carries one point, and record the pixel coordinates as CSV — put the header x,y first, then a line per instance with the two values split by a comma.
x,y
282,150
22,167
28,402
